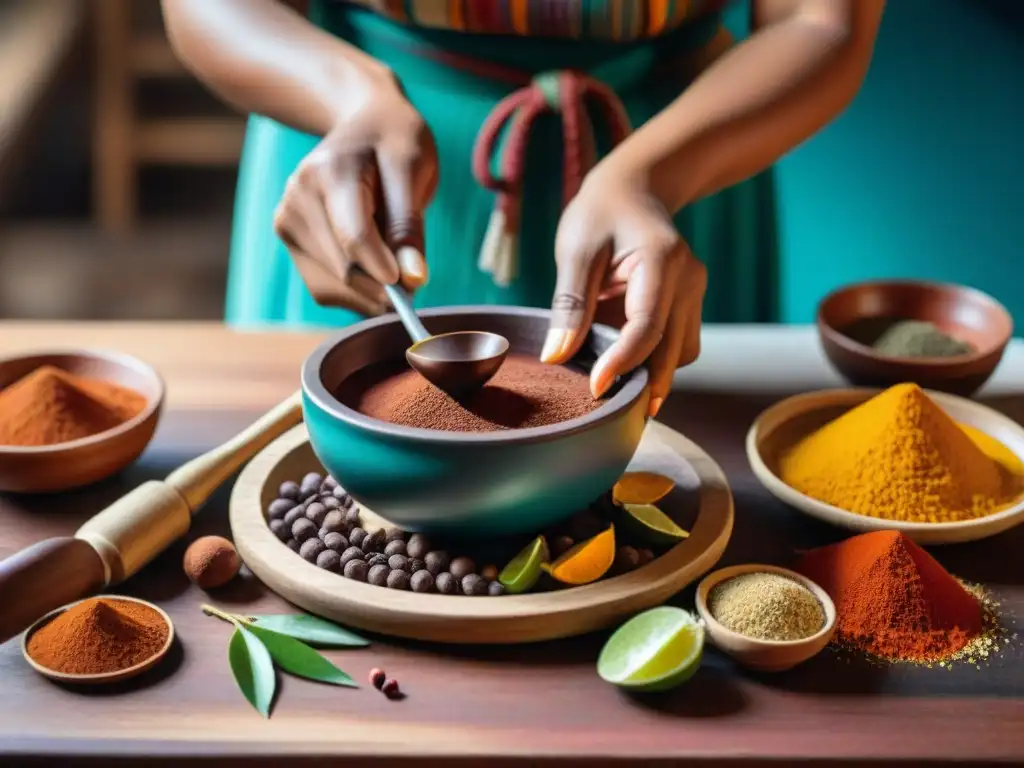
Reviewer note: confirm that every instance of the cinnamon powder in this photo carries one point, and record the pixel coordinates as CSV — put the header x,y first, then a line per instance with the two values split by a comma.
x,y
523,393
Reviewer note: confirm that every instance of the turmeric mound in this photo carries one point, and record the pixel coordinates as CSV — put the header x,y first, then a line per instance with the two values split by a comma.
x,y
899,456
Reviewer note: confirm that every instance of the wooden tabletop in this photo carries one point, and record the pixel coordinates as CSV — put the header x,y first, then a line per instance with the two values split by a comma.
x,y
490,706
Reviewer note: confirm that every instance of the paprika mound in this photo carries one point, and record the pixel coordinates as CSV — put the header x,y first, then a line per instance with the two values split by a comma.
x,y
893,600
50,406
899,456
98,636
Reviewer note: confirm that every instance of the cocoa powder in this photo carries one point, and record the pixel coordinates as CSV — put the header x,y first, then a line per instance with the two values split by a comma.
x,y
524,393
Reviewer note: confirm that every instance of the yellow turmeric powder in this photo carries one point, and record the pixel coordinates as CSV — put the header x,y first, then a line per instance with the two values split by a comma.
x,y
899,456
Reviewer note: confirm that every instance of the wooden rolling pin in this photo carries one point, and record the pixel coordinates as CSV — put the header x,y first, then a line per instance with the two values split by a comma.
x,y
124,537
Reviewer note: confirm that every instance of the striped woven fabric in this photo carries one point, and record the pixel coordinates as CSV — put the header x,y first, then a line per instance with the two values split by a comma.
x,y
616,20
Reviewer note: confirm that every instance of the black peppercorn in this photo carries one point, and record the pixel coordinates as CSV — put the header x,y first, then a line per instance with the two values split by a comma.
x,y
495,588
336,541
356,570
378,575
416,565
352,553
311,549
329,484
436,561
374,542
303,529
422,581
280,529
472,584
341,495
398,580
316,512
378,559
446,583
626,559
462,567
294,514
334,520
293,545
394,534
489,572
352,516
289,490
329,560
330,502
356,536
418,546
646,556
395,548
560,545
279,507
312,482
398,562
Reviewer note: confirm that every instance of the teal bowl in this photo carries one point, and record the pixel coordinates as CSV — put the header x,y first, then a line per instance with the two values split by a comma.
x,y
469,484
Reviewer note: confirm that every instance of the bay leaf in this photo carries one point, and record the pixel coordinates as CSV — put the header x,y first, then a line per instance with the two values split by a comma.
x,y
299,659
253,669
310,629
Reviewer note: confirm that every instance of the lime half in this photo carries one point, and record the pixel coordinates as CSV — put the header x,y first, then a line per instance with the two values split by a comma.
x,y
523,570
649,523
654,651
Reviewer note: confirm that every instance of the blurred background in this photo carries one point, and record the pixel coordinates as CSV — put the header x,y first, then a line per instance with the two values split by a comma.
x,y
117,169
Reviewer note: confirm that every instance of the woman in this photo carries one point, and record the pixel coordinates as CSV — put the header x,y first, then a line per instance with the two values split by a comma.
x,y
490,134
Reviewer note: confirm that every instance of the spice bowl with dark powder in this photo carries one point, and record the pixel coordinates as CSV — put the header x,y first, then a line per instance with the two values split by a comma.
x,y
519,455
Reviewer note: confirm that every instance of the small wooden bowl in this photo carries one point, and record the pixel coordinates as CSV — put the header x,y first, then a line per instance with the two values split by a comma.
x,y
852,318
764,655
77,463
106,677
787,422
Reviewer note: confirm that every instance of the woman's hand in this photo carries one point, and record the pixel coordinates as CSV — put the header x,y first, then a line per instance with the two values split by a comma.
x,y
616,240
357,200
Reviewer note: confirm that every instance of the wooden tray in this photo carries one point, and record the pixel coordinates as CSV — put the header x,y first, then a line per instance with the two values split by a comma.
x,y
701,502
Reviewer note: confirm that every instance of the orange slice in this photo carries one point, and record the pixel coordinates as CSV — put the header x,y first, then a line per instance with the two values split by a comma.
x,y
586,562
641,488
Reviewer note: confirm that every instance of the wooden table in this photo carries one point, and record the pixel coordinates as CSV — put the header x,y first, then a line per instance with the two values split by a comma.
x,y
499,706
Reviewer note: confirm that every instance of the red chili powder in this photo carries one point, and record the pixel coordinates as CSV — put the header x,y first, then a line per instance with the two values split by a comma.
x,y
893,599
523,393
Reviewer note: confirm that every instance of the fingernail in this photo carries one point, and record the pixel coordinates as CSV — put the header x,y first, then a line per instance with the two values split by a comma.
x,y
557,340
601,379
412,263
655,406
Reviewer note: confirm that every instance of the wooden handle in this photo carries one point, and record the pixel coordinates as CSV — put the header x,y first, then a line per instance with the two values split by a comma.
x,y
43,577
198,479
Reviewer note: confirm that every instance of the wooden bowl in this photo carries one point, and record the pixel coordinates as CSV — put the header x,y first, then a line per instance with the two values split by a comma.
x,y
106,677
77,463
852,318
752,652
787,422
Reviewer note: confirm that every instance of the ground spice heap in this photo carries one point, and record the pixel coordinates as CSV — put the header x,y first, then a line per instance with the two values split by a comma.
x,y
524,393
893,599
98,636
918,338
899,456
50,406
766,606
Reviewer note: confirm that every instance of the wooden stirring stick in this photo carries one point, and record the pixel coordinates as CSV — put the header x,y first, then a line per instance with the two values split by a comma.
x,y
120,540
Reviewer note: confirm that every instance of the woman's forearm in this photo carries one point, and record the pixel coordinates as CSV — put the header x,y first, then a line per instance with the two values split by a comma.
x,y
800,68
263,57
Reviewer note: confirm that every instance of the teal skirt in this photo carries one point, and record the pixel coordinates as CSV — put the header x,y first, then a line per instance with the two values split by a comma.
x,y
733,232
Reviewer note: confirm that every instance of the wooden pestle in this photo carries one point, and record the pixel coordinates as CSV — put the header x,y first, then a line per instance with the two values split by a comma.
x,y
121,539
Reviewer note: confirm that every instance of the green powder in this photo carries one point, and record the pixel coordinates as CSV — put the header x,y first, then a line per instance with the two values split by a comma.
x,y
766,606
918,338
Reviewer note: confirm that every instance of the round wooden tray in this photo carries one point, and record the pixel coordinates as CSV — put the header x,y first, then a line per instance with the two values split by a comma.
x,y
701,502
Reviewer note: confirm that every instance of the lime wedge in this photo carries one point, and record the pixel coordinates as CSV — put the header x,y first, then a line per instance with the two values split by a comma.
x,y
654,651
523,570
649,523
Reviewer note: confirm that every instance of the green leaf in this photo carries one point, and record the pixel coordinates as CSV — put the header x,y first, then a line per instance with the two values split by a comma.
x,y
311,629
253,669
299,659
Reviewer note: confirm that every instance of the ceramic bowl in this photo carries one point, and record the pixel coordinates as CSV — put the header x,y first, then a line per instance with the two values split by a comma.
x,y
64,466
852,318
787,422
764,655
469,484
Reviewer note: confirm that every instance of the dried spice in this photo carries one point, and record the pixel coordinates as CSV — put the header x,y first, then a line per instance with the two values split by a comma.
x,y
894,600
524,393
899,456
98,636
918,338
767,606
50,406
211,562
